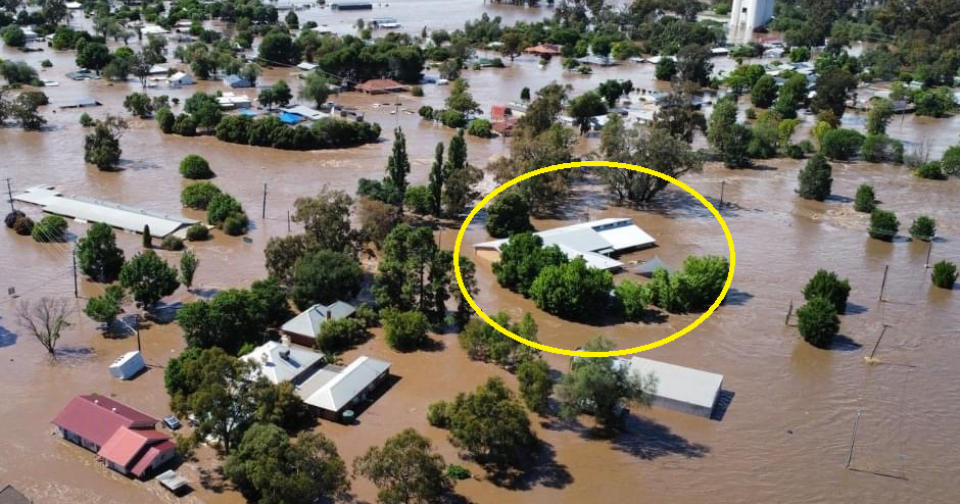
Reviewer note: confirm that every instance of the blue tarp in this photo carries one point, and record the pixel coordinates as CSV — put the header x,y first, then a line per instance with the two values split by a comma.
x,y
288,118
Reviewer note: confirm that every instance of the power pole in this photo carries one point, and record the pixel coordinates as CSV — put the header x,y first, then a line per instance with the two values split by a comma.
x,y
853,440
929,250
884,283
263,214
288,221
722,184
136,320
10,194
76,286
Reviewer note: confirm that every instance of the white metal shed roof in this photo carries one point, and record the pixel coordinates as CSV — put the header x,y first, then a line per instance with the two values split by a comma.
x,y
277,368
683,384
356,377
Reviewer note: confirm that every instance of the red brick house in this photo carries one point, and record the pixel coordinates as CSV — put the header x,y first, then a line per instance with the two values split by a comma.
x,y
381,86
125,439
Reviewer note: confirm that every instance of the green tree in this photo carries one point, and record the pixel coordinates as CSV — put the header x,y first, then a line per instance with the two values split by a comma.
x,y
338,335
325,277
277,47
492,426
221,207
595,386
840,143
816,179
508,215
98,254
419,200
101,148
931,170
611,90
536,384
269,468
666,69
818,322
833,86
437,174
764,92
148,278
951,161
13,36
146,238
792,96
883,225
234,317
944,275
188,268
198,195
572,290
633,299
484,343
326,220
405,470
105,308
316,87
405,331
827,284
924,228
460,98
726,136
138,104
522,259
461,178
584,108
196,168
878,117
398,167
865,200
93,56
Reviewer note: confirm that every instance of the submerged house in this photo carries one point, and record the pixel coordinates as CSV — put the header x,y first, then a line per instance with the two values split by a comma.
x,y
544,50
305,327
236,82
678,388
125,439
381,86
329,389
594,241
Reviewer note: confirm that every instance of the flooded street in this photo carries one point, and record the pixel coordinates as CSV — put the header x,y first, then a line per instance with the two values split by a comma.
x,y
784,435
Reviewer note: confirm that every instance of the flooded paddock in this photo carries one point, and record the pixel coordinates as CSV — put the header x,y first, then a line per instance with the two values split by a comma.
x,y
789,408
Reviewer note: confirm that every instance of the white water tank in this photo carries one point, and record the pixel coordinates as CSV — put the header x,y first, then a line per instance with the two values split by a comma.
x,y
127,365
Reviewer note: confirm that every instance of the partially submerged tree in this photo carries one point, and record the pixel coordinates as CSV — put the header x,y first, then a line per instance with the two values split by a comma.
x,y
101,148
866,200
105,308
944,274
536,384
818,322
188,268
816,179
508,215
827,284
883,225
98,254
148,278
45,319
405,469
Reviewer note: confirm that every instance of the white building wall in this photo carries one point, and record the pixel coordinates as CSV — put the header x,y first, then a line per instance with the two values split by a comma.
x,y
745,15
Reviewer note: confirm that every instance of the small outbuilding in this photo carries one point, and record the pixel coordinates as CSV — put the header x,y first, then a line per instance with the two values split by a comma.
x,y
180,79
381,86
544,50
236,82
127,365
679,388
173,482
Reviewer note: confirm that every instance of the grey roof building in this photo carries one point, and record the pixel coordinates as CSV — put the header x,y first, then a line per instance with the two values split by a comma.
x,y
679,388
235,81
305,327
10,495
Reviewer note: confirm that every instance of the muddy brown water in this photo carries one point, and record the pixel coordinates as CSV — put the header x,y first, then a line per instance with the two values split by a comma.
x,y
784,436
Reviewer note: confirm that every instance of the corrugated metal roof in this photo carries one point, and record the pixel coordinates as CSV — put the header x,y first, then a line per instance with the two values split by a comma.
x,y
343,388
123,447
308,322
112,214
96,418
276,368
682,384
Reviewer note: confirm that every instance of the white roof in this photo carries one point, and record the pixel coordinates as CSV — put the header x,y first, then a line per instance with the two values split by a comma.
x,y
308,322
276,367
682,384
154,30
349,383
228,99
307,66
180,76
591,240
305,112
73,5
112,214
157,70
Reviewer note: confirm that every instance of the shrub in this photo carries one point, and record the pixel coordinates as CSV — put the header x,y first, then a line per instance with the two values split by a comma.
x,y
235,224
86,121
841,144
883,225
508,215
827,285
338,335
865,200
932,170
419,200
426,112
480,128
405,331
198,232
438,414
924,228
196,168
198,195
794,151
23,226
456,472
453,119
416,91
165,120
46,64
818,322
171,243
882,149
951,161
221,206
815,179
632,298
944,274
51,228
572,290
11,219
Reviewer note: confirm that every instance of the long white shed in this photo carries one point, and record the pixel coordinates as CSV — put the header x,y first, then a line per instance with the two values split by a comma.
x,y
680,388
127,365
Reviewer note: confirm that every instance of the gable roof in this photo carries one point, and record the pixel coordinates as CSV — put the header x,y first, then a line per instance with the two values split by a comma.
x,y
381,85
152,453
274,366
97,418
678,383
123,447
308,322
343,388
10,495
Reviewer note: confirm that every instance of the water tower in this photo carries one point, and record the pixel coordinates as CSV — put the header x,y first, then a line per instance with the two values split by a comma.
x,y
745,15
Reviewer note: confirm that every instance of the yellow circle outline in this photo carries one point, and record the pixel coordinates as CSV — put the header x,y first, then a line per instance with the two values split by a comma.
x,y
580,353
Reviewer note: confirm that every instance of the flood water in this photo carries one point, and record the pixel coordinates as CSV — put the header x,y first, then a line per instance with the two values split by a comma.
x,y
790,409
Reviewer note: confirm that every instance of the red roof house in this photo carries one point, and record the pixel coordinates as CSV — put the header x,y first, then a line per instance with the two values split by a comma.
x,y
547,50
499,112
381,86
123,437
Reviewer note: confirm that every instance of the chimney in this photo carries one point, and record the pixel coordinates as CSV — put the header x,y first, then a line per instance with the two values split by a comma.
x,y
285,340
329,314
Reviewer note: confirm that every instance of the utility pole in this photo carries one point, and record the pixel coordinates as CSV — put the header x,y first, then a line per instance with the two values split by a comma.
x,y
76,286
877,344
929,249
263,214
10,195
884,283
722,184
288,221
136,320
853,440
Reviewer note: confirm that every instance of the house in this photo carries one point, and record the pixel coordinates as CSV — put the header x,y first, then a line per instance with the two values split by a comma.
x,y
154,30
29,35
235,81
544,50
328,388
594,241
384,23
345,6
505,128
307,66
305,327
180,79
81,103
381,86
231,101
10,495
124,438
593,59
678,388
350,386
127,365
302,113
158,70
